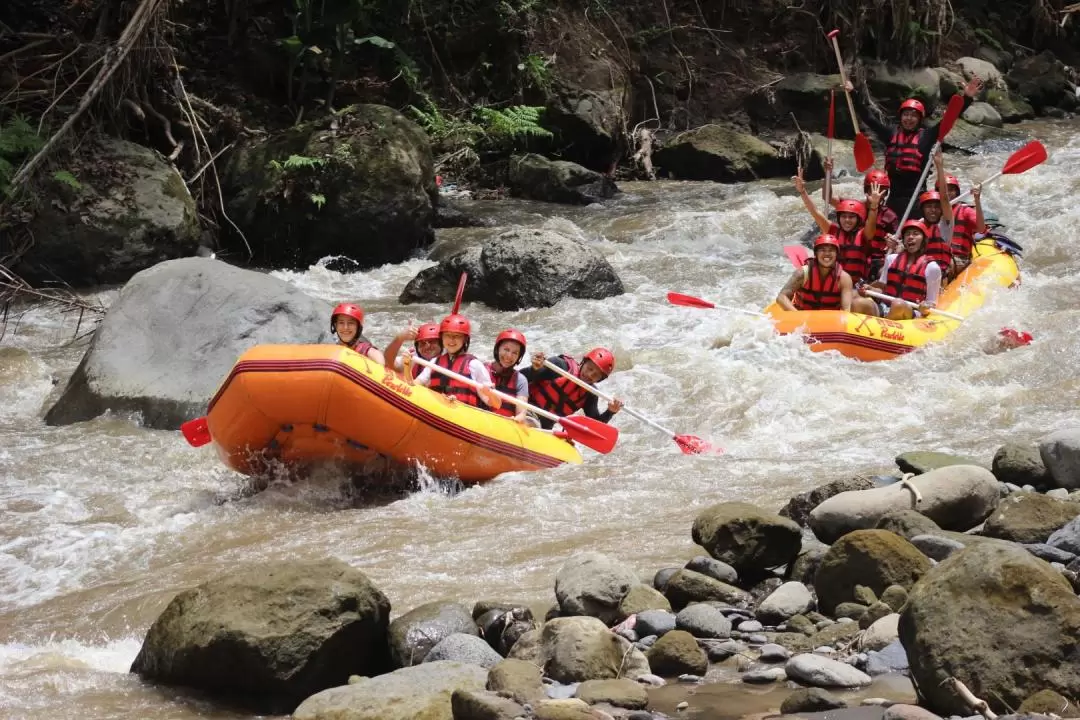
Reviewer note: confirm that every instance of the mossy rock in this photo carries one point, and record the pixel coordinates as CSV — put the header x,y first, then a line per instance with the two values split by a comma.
x,y
874,558
715,152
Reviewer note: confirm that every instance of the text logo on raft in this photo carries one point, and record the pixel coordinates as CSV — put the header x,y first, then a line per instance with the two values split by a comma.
x,y
390,381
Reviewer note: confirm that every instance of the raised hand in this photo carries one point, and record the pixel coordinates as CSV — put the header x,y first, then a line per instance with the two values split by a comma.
x,y
876,195
973,87
797,180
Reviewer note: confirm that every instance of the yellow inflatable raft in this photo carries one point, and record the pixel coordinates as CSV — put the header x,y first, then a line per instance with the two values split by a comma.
x,y
303,404
873,338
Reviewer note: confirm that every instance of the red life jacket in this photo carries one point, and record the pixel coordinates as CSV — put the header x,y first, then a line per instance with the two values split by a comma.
x,y
451,386
559,395
964,230
417,368
819,292
902,154
360,345
906,278
505,382
854,255
937,250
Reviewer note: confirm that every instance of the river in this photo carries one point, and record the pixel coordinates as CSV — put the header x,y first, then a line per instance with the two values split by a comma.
x,y
102,522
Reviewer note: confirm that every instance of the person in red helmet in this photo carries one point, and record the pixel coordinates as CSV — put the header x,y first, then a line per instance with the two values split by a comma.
x,y
851,217
908,145
969,222
909,275
426,344
455,332
821,284
347,322
550,391
887,220
509,349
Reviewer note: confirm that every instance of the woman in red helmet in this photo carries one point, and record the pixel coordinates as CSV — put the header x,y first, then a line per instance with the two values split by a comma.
x,y
347,322
875,182
509,349
908,145
851,217
454,334
554,393
909,275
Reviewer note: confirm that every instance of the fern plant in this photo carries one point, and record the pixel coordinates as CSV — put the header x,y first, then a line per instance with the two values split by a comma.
x,y
507,126
18,138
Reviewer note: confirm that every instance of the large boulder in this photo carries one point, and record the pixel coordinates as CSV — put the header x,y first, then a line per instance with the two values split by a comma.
x,y
891,85
588,93
970,67
521,268
798,507
1011,107
576,649
1043,81
119,209
957,497
997,619
677,653
686,586
358,183
802,95
172,335
981,139
1021,465
413,635
873,558
559,181
746,537
981,113
268,636
593,584
716,152
923,461
1029,517
422,692
1060,453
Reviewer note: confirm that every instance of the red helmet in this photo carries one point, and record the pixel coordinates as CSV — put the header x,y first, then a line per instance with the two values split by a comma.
x,y
510,334
822,240
348,310
914,105
952,180
852,206
876,176
427,331
455,324
929,196
917,224
603,359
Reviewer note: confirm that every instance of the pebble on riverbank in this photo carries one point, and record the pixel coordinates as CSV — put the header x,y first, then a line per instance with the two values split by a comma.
x,y
894,594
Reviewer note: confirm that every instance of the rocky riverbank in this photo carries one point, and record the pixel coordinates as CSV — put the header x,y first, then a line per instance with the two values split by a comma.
x,y
959,576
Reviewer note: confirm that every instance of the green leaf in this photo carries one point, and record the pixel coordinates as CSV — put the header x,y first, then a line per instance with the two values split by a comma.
x,y
68,179
292,44
377,41
318,199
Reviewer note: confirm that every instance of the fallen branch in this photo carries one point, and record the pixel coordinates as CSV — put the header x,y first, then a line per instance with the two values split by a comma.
x,y
979,706
643,156
905,482
115,57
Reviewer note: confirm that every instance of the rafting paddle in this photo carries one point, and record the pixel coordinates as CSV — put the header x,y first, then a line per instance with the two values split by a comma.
x,y
914,306
797,254
828,148
952,112
690,301
196,432
460,293
1020,161
689,444
594,434
864,154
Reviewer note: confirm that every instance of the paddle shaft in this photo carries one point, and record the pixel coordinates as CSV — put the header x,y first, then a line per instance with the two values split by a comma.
x,y
828,150
920,186
843,79
601,394
472,383
967,192
883,296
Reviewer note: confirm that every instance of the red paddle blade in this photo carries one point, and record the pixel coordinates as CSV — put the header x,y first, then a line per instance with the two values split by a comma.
x,y
832,114
952,113
594,434
797,254
196,432
1025,158
460,293
691,445
864,154
688,300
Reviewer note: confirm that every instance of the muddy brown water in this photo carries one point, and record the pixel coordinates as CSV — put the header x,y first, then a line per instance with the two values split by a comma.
x,y
103,522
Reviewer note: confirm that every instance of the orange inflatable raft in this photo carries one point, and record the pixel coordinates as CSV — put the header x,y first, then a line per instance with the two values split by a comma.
x,y
873,338
305,404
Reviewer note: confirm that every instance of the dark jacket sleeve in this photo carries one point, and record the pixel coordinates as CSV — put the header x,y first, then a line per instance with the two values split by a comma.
x,y
544,373
883,131
592,409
